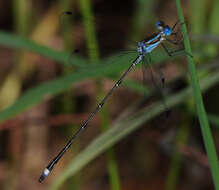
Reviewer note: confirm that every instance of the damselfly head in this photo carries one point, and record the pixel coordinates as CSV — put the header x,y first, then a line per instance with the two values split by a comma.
x,y
167,31
160,25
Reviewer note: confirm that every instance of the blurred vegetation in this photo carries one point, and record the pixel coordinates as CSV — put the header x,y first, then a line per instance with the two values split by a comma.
x,y
47,91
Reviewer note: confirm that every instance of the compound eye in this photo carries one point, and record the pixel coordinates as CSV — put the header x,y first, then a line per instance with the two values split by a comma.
x,y
160,25
167,30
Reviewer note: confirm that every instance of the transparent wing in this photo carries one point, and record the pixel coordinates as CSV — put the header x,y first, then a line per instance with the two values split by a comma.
x,y
79,50
157,79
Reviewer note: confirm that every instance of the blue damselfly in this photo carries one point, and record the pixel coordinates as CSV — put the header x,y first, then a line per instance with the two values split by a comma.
x,y
144,48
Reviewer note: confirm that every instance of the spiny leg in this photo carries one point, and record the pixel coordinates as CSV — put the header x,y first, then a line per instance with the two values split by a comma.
x,y
175,52
177,22
174,26
177,42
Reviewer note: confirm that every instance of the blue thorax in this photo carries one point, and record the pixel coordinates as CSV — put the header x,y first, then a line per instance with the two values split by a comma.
x,y
148,46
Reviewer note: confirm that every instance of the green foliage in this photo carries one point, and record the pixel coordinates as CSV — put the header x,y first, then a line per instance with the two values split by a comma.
x,y
205,128
123,128
110,68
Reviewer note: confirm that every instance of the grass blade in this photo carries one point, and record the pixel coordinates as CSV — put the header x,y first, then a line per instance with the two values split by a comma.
x,y
123,128
205,128
22,43
51,88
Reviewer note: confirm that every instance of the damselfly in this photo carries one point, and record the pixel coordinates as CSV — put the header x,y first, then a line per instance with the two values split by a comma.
x,y
144,48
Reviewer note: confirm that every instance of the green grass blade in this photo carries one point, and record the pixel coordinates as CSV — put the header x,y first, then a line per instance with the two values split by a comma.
x,y
213,28
198,8
205,128
123,128
88,21
92,44
37,94
176,157
22,43
143,10
111,65
51,88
